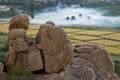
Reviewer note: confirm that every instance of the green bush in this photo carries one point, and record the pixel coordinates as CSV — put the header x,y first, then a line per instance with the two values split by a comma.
x,y
16,74
4,48
117,67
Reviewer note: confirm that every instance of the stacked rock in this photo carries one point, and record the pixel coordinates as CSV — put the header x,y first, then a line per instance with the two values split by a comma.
x,y
52,50
18,46
21,55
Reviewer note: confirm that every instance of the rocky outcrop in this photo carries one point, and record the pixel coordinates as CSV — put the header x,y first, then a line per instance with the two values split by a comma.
x,y
53,53
99,57
56,47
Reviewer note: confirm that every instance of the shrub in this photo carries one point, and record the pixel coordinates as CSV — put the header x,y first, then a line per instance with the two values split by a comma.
x,y
16,74
117,67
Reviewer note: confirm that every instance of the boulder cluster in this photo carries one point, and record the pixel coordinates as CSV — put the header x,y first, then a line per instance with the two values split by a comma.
x,y
53,55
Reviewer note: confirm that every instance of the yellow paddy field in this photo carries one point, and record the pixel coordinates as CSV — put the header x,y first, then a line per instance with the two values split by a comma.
x,y
110,40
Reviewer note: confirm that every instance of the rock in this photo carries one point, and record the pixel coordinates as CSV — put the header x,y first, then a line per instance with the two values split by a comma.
x,y
50,22
16,33
82,73
10,59
116,77
20,45
21,61
79,62
101,59
2,74
38,46
46,77
1,67
84,49
103,63
20,21
35,62
56,47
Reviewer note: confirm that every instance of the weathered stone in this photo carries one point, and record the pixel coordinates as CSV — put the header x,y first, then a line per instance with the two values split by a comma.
x,y
20,45
38,46
20,21
101,60
81,73
1,67
84,49
103,63
116,77
46,77
50,22
3,76
56,47
79,62
16,33
21,61
35,62
10,59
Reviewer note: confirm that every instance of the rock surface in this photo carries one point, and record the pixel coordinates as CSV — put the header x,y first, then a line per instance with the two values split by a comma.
x,y
35,62
20,45
56,47
1,67
20,21
100,58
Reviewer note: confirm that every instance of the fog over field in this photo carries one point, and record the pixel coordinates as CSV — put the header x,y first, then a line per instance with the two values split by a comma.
x,y
74,15
62,16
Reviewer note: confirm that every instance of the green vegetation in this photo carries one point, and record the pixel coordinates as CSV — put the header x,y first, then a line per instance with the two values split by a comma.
x,y
117,67
28,6
16,74
31,7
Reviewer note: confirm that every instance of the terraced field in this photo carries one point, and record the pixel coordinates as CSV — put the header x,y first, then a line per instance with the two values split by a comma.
x,y
110,40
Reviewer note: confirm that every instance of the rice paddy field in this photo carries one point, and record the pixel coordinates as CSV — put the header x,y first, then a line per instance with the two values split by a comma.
x,y
104,37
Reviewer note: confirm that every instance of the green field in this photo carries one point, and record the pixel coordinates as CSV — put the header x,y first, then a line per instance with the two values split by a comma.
x,y
107,38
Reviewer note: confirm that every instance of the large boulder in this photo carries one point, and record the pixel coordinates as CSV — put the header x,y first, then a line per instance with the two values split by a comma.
x,y
99,57
20,21
35,62
56,47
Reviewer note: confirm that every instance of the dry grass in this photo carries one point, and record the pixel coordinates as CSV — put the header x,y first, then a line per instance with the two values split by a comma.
x,y
82,37
106,42
72,30
4,27
113,50
115,36
93,32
